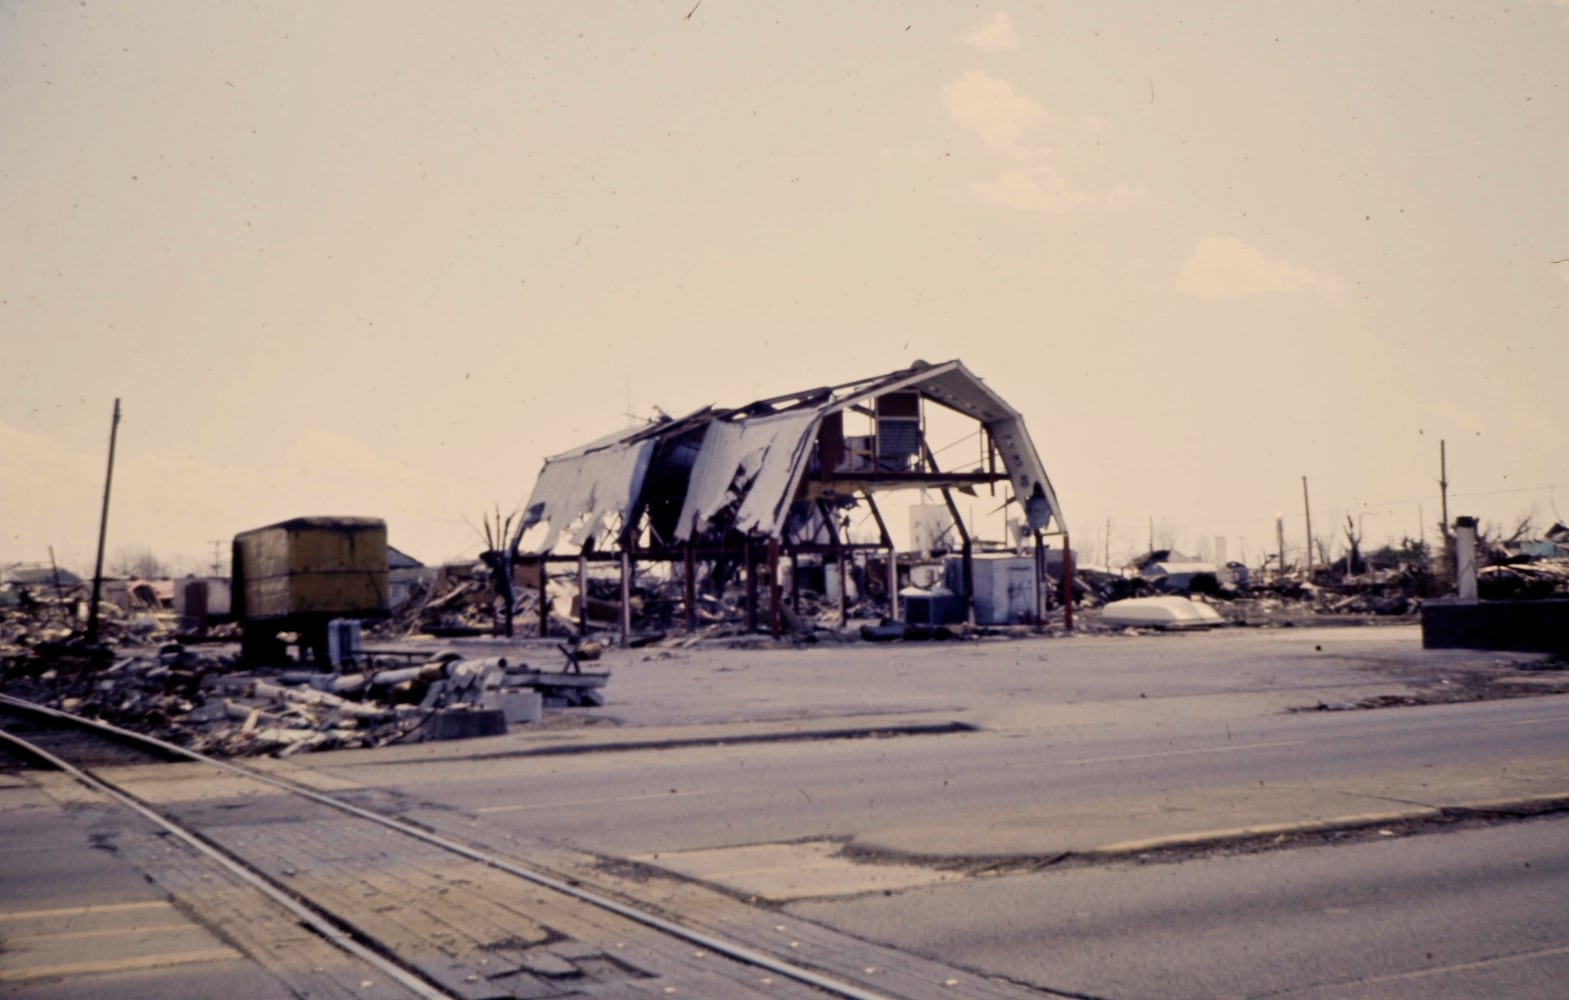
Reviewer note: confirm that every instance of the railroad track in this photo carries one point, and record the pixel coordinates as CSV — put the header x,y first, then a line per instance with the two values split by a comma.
x,y
406,910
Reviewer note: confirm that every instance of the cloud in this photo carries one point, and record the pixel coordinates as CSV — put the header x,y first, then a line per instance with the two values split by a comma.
x,y
1222,267
996,34
1019,131
993,110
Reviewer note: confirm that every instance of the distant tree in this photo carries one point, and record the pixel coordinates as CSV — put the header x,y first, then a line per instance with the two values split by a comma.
x,y
1409,553
1525,530
1165,536
1354,545
138,563
1321,543
1492,542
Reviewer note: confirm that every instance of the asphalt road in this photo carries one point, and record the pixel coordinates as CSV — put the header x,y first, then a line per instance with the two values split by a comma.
x,y
1080,747
1038,791
1478,913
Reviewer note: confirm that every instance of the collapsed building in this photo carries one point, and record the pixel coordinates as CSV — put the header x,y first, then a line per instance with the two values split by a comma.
x,y
720,492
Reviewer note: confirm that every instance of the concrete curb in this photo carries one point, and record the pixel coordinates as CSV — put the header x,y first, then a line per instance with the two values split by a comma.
x,y
1524,806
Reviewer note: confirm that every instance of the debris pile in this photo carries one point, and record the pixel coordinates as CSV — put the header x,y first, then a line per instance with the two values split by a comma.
x,y
50,621
1524,580
459,602
198,700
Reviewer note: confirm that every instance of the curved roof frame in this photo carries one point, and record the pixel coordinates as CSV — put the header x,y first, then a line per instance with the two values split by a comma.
x,y
752,461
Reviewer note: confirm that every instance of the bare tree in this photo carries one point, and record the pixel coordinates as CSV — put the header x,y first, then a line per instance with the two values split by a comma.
x,y
1321,542
138,563
1526,529
1494,545
1354,539
500,555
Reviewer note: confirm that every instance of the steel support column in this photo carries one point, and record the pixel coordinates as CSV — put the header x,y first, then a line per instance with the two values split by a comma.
x,y
751,586
1067,582
544,597
582,595
827,514
1040,583
967,556
893,559
795,581
773,587
690,586
626,599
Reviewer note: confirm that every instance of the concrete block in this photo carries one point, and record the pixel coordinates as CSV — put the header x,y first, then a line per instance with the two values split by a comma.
x,y
1521,626
466,723
517,706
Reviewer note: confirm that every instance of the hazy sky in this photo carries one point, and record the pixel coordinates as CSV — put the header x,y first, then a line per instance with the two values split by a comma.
x,y
383,257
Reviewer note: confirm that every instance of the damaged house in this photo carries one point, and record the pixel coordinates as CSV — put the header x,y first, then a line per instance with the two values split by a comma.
x,y
721,492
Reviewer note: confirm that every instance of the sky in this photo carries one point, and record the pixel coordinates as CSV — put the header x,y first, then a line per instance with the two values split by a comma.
x,y
382,258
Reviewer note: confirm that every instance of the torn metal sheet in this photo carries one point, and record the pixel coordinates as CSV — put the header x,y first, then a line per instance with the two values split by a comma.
x,y
584,494
1030,484
953,385
753,465
751,462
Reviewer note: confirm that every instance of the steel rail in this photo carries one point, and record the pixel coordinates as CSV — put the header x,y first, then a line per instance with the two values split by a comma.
x,y
306,915
741,953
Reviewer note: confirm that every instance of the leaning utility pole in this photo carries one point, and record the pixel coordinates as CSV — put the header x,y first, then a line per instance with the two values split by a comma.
x,y
103,529
1307,513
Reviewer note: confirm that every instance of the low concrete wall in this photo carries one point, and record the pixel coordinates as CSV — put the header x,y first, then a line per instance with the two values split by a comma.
x,y
1520,626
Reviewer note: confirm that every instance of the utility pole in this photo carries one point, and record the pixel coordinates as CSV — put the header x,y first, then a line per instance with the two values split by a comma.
x,y
1307,514
103,528
1280,547
1443,486
1445,536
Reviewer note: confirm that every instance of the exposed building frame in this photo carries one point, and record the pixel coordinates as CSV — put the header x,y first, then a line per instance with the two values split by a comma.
x,y
744,486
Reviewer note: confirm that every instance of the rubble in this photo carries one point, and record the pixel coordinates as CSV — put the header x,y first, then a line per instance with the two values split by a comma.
x,y
1524,580
198,698
188,688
